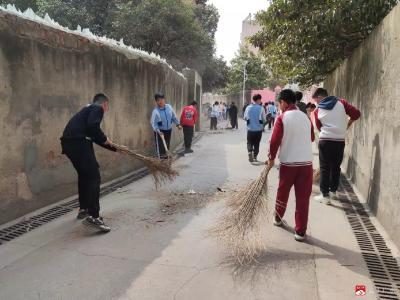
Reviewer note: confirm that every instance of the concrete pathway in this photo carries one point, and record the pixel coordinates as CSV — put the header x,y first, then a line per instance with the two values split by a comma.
x,y
159,248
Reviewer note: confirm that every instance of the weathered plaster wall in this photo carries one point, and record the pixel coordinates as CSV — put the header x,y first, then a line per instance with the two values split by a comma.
x,y
47,75
370,80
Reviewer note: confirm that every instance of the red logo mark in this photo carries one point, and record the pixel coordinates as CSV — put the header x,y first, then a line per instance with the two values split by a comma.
x,y
360,290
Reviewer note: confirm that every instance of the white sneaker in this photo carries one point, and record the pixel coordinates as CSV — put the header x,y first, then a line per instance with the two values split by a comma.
x,y
300,237
334,195
322,199
278,223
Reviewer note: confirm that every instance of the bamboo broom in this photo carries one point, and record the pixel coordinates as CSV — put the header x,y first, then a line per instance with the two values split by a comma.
x,y
160,169
239,229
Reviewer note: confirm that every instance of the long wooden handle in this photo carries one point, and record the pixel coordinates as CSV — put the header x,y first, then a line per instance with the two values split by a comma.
x,y
165,145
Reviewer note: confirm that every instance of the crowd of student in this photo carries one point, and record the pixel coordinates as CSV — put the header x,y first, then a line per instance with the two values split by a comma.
x,y
292,137
220,113
293,125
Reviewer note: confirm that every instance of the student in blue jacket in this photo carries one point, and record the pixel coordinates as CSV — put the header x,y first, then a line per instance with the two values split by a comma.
x,y
162,118
255,118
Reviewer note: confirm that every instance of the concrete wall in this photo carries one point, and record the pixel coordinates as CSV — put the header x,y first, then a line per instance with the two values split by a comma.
x,y
46,75
370,80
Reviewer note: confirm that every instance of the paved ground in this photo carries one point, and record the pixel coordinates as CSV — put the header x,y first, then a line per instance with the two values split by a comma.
x,y
159,248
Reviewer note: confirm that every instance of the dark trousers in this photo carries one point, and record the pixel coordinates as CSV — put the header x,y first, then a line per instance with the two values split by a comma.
x,y
188,136
81,154
161,153
213,123
234,122
253,141
271,122
330,159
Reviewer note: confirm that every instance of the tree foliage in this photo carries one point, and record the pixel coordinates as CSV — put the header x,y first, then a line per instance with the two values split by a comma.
x,y
181,31
258,75
304,40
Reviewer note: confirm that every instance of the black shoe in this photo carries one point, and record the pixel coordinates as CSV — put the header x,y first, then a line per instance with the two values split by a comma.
x,y
188,151
255,159
251,158
96,223
83,213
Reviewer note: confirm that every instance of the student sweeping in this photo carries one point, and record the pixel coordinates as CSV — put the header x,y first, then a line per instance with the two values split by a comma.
x,y
332,117
189,118
293,135
82,130
162,118
255,117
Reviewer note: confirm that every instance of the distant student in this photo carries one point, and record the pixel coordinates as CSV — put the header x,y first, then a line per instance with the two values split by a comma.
x,y
332,117
255,118
189,118
233,114
214,116
292,135
300,105
272,111
162,118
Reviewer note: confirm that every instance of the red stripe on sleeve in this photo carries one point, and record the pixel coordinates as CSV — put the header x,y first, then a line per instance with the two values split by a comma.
x,y
353,112
317,121
276,138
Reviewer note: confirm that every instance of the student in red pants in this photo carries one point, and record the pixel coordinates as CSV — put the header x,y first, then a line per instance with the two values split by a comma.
x,y
293,135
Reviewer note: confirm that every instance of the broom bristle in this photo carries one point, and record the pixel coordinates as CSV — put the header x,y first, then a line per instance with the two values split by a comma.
x,y
239,228
160,169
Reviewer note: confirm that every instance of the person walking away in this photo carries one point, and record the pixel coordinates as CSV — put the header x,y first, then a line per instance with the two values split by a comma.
x,y
82,130
244,108
214,116
300,105
189,118
332,117
233,113
293,135
272,111
161,121
255,118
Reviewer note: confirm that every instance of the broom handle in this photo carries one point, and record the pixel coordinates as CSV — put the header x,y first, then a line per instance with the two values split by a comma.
x,y
165,144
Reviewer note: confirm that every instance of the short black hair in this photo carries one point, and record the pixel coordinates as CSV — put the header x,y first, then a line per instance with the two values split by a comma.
x,y
100,98
257,97
313,105
299,96
233,103
216,103
193,103
288,96
308,105
158,96
320,92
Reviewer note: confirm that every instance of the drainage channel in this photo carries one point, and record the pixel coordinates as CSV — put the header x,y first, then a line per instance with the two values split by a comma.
x,y
382,266
9,233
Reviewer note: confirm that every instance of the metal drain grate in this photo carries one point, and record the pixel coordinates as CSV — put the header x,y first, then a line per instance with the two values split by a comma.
x,y
18,229
382,266
9,233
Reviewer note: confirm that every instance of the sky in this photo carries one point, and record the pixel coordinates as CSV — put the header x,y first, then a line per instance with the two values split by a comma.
x,y
232,13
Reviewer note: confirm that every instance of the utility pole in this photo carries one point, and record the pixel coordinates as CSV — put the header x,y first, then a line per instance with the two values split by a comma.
x,y
244,81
